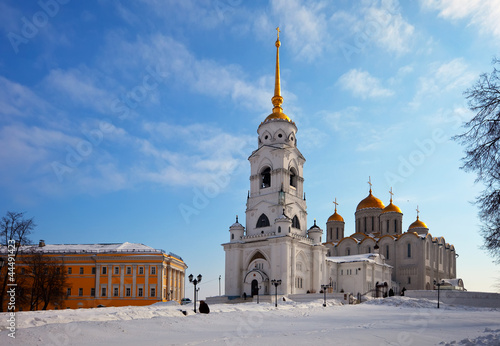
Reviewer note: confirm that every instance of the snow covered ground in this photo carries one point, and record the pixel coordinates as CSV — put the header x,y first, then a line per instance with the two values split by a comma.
x,y
390,321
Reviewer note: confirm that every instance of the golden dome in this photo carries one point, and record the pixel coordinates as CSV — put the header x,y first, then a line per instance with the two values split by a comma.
x,y
418,224
370,202
335,217
274,116
392,208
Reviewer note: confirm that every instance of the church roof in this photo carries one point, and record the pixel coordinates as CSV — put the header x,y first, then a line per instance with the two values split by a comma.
x,y
370,202
418,224
392,208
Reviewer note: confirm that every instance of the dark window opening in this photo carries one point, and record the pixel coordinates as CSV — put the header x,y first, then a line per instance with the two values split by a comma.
x,y
266,177
395,226
263,221
293,178
295,222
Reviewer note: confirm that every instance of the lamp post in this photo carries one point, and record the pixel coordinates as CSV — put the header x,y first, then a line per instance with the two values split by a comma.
x,y
324,287
219,283
438,284
195,282
276,283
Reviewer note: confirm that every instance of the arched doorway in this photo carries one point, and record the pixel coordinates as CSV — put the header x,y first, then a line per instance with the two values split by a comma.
x,y
255,288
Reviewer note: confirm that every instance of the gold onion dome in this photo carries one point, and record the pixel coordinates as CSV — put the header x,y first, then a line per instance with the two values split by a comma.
x,y
277,99
392,208
335,217
418,224
370,202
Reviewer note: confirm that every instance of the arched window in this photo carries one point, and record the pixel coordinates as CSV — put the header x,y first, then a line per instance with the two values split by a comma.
x,y
295,222
348,251
387,229
337,233
409,250
365,225
279,229
373,223
395,226
265,177
387,252
293,177
263,221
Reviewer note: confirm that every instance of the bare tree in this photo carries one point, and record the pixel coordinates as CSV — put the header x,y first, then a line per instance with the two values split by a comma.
x,y
45,280
482,143
14,233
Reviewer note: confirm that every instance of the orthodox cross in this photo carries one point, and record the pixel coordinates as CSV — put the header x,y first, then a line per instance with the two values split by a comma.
x,y
391,193
370,183
418,211
278,29
336,204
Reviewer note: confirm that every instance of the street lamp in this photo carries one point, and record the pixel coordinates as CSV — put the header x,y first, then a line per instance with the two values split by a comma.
x,y
438,284
276,283
324,287
195,282
219,283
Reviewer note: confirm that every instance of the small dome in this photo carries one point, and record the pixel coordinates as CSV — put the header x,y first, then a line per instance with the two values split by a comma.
x,y
314,226
335,217
370,202
418,224
275,116
236,224
392,208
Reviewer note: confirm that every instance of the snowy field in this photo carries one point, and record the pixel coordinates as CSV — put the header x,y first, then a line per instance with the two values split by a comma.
x,y
390,321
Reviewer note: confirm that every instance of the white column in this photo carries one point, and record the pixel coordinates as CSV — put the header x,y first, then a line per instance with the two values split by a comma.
x,y
110,272
134,277
97,281
122,280
146,281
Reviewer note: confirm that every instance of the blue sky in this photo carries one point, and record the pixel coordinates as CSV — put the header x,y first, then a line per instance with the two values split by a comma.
x,y
133,121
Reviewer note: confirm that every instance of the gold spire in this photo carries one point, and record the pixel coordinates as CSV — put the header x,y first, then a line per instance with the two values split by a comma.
x,y
277,100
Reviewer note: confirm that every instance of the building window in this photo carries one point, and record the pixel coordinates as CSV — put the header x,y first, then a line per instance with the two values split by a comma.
x,y
369,249
129,270
295,222
342,272
387,251
139,292
81,270
409,280
153,292
92,291
70,270
263,221
80,292
104,270
115,291
337,233
232,235
153,270
395,226
103,291
409,250
348,251
93,270
279,229
373,223
117,270
265,177
127,291
141,270
293,177
365,224
68,291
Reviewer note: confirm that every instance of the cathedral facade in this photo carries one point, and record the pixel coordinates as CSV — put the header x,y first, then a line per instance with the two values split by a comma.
x,y
275,248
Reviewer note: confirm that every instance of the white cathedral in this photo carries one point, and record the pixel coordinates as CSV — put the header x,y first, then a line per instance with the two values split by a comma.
x,y
276,244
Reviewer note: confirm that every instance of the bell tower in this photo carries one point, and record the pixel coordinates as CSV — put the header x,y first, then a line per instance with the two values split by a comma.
x,y
276,178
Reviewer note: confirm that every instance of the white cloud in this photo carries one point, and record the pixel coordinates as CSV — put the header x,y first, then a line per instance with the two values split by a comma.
x,y
305,26
380,23
443,78
17,100
81,85
481,13
363,85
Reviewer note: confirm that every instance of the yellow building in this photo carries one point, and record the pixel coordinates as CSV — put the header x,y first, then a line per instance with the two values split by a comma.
x,y
117,274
